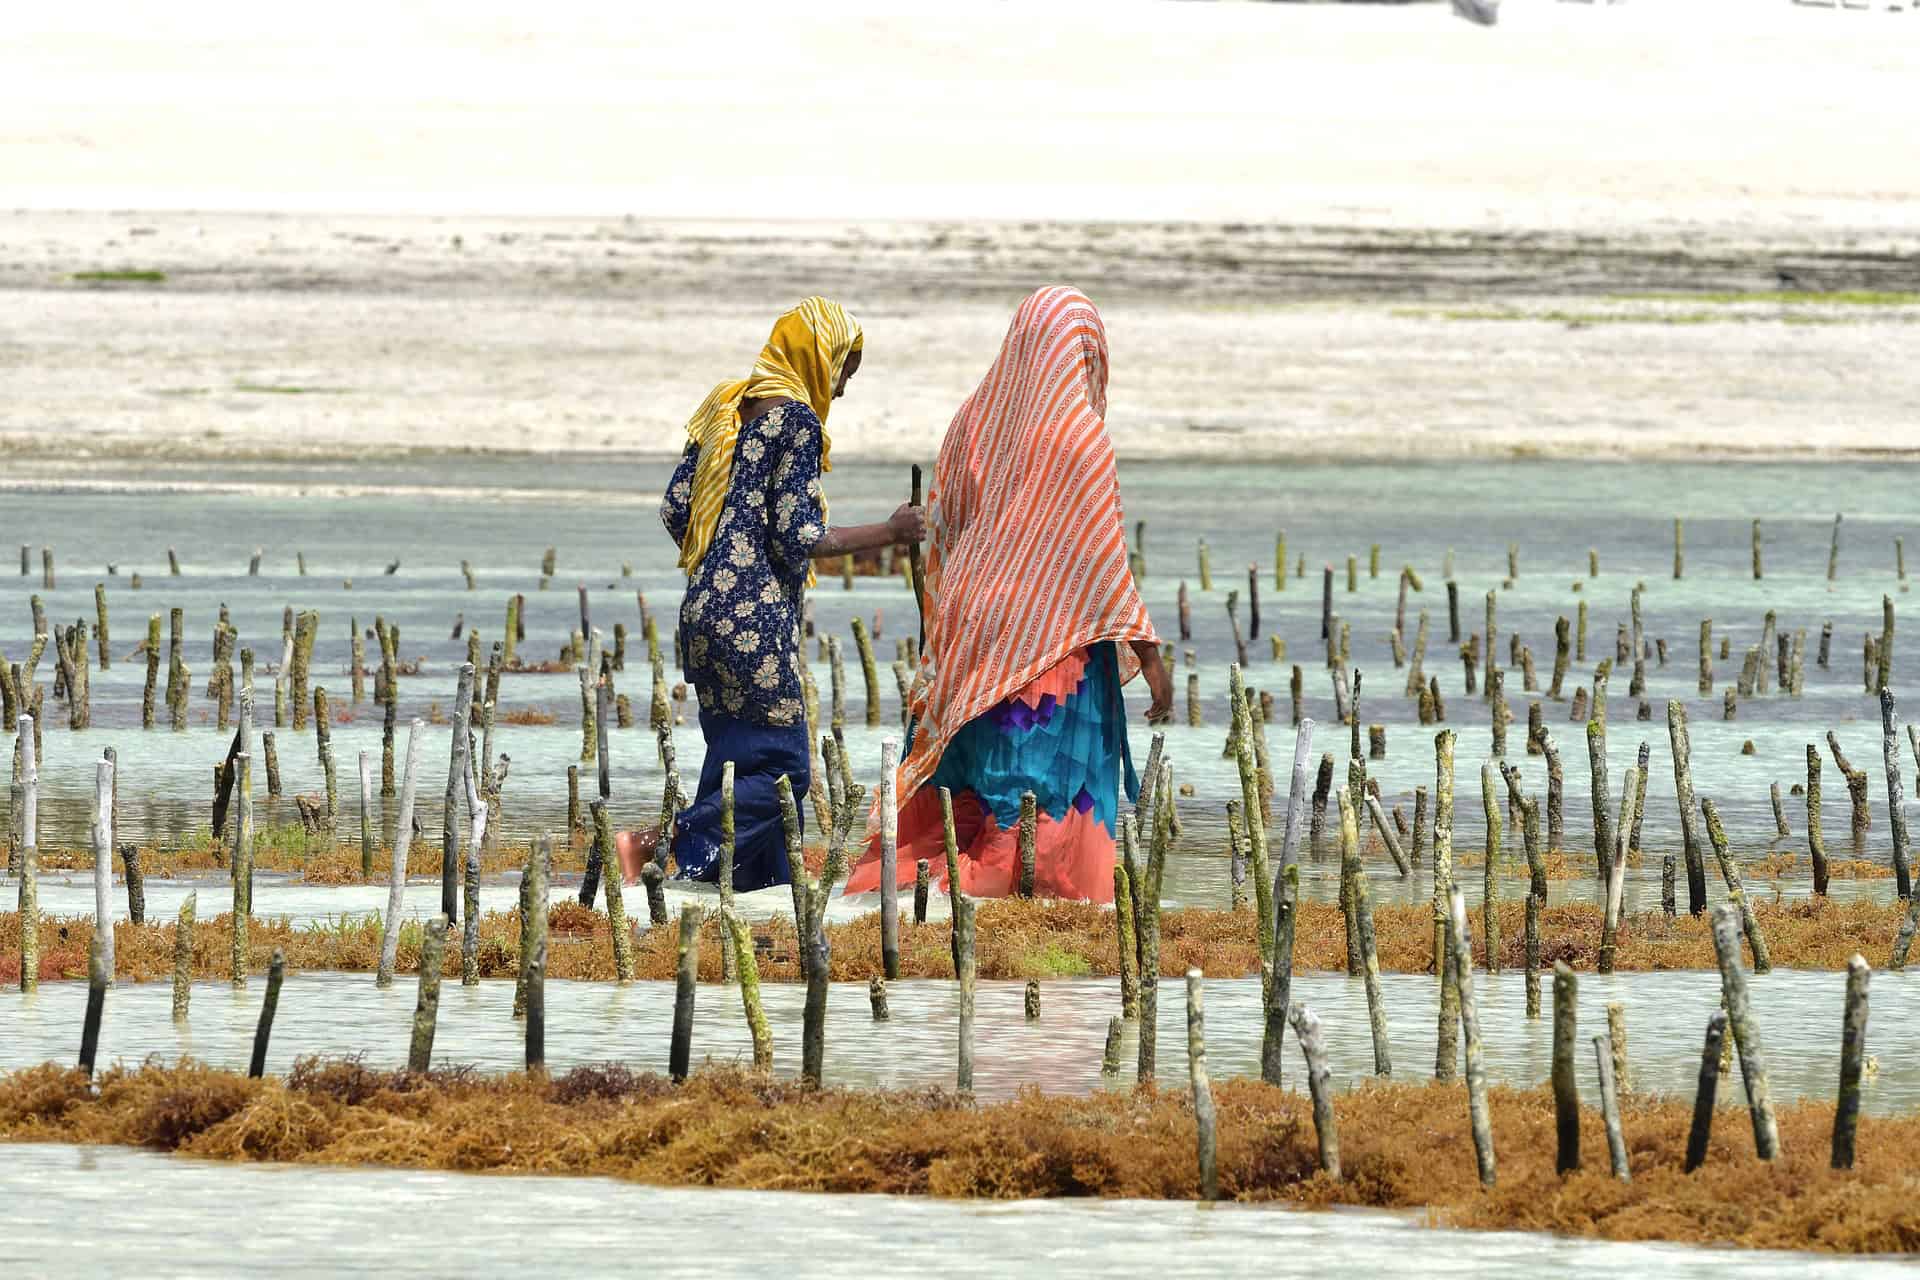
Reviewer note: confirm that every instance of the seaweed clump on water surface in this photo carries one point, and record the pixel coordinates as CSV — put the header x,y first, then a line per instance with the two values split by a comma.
x,y
1403,1146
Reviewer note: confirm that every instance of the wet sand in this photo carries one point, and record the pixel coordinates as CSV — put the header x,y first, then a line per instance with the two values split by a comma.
x,y
327,336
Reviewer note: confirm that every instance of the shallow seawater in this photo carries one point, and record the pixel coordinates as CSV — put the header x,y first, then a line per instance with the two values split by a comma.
x,y
159,1215
330,1013
599,517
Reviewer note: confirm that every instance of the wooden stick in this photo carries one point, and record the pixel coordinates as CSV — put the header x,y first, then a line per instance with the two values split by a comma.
x,y
1363,928
1205,1137
1746,1030
1610,1111
1479,1117
1896,799
99,978
276,972
967,967
914,567
686,974
450,814
102,835
426,1012
1306,1029
1703,1098
1853,1047
29,820
1736,891
1566,1094
183,956
750,990
402,843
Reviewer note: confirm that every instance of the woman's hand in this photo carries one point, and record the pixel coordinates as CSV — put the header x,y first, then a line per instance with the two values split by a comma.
x,y
908,525
1159,683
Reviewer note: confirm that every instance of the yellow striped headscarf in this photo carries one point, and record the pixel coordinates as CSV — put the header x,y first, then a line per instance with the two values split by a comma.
x,y
801,361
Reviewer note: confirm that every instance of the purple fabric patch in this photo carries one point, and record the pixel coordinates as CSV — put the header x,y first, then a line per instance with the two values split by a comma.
x,y
1083,803
1015,716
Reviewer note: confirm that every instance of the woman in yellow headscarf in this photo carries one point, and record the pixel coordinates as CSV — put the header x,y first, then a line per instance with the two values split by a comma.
x,y
746,509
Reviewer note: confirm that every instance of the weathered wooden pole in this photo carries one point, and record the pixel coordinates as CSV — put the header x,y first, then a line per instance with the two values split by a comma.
x,y
621,931
750,989
1025,841
1746,1030
686,976
1896,799
102,838
276,972
29,823
1306,1029
1147,915
99,978
457,770
1602,802
1566,1093
1610,1110
183,956
1127,937
963,925
402,844
1709,1084
1205,1137
240,957
1736,890
1756,551
1683,790
366,816
1362,912
426,1011
1479,1116
1853,1043
1447,1047
1490,875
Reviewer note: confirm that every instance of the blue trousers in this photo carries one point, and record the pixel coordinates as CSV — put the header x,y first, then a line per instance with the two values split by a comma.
x,y
760,755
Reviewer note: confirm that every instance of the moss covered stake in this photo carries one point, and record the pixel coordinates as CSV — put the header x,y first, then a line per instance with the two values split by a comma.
x,y
402,843
963,929
536,969
276,973
1306,1029
622,932
686,975
1610,1110
533,920
1127,939
750,990
183,957
1442,844
426,1012
1683,791
1147,912
1816,838
1566,1093
1746,1030
1736,890
1205,1137
1602,804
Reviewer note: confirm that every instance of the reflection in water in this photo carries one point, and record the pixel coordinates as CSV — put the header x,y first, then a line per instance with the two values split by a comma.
x,y
1799,1015
164,1214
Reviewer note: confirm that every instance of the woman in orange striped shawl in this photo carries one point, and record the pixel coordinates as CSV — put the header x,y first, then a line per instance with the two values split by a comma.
x,y
1033,623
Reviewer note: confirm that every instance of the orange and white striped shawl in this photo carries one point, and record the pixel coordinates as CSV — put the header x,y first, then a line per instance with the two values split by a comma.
x,y
1028,553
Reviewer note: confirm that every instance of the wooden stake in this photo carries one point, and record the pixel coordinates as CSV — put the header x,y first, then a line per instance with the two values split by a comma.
x,y
1746,1030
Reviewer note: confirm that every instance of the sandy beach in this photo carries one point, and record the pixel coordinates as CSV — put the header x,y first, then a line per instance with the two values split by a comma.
x,y
1315,230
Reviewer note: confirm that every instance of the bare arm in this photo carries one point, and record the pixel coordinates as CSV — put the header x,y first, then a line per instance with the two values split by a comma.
x,y
907,525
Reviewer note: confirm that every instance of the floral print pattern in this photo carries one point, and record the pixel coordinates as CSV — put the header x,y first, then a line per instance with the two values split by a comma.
x,y
741,613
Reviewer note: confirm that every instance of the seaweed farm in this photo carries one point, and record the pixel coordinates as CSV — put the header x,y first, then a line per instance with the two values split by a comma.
x,y
1655,719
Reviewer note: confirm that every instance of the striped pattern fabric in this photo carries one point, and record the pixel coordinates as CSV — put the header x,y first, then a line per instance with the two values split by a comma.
x,y
1028,556
801,361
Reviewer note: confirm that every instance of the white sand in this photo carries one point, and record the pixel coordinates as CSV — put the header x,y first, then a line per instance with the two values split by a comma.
x,y
1684,143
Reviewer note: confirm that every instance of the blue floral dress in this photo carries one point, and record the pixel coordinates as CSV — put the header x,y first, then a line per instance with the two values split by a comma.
x,y
740,632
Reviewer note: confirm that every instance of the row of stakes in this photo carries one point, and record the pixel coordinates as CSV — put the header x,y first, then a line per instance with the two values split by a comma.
x,y
1459,1016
